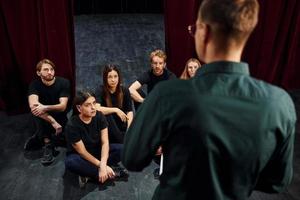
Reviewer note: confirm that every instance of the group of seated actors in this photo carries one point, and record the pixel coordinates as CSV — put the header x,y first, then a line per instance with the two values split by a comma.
x,y
95,131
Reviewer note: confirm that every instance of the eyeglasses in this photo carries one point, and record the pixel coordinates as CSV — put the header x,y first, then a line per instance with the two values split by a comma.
x,y
192,30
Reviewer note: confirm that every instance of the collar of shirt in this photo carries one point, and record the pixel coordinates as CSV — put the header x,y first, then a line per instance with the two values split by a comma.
x,y
165,71
224,67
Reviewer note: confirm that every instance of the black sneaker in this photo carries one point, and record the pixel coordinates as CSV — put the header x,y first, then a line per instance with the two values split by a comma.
x,y
33,143
120,172
156,173
55,152
49,153
83,181
59,140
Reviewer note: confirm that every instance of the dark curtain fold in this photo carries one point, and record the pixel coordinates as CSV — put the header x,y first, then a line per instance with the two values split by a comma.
x,y
271,51
179,44
117,6
30,31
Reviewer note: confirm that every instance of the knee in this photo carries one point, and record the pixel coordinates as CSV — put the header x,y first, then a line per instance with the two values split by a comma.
x,y
116,147
71,161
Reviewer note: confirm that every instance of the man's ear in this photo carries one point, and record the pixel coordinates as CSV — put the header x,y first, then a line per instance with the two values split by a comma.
x,y
206,33
78,108
204,37
38,73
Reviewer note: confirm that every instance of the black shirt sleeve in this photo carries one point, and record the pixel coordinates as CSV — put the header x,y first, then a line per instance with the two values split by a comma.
x,y
171,75
65,85
33,88
72,132
101,120
144,78
127,102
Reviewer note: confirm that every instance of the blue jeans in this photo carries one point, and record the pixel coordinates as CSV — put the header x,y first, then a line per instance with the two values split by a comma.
x,y
78,165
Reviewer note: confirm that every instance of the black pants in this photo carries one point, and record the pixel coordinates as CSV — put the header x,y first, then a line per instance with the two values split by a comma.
x,y
156,159
137,104
44,129
115,134
76,164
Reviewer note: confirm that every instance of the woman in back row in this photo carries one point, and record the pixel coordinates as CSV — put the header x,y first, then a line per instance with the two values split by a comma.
x,y
115,103
190,68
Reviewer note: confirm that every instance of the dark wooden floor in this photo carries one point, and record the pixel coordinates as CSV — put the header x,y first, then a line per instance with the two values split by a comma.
x,y
23,177
123,39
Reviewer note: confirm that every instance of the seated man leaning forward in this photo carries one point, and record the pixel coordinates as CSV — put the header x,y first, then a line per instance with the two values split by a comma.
x,y
156,74
48,98
89,153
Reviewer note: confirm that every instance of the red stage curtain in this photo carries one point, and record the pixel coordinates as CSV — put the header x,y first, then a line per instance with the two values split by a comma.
x,y
271,51
30,31
179,44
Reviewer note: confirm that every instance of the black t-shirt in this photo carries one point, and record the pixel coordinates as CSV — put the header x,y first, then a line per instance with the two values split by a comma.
x,y
90,134
151,80
126,106
49,95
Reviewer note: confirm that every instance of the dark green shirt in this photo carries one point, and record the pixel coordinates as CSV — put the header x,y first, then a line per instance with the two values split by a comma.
x,y
223,135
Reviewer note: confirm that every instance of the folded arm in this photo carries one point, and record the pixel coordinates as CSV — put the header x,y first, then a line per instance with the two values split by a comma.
x,y
38,108
133,89
112,110
81,150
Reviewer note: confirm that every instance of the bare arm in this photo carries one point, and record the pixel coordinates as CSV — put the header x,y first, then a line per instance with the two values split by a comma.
x,y
134,93
33,100
37,108
53,122
104,147
81,150
63,101
130,118
106,110
105,171
35,105
111,110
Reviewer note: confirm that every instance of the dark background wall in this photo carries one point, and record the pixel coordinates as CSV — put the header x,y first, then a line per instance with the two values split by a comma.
x,y
118,6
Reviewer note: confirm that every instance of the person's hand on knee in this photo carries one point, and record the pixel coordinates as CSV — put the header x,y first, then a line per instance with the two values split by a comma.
x,y
57,127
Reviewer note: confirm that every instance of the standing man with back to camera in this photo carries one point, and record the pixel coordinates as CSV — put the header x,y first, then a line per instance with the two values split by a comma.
x,y
223,133
48,99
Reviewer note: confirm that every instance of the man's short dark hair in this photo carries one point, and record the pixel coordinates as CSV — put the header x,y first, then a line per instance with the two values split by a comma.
x,y
230,19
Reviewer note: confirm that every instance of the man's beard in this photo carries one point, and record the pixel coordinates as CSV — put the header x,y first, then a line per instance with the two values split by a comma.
x,y
158,72
48,78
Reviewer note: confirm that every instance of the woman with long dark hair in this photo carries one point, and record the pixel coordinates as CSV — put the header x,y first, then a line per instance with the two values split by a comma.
x,y
115,103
